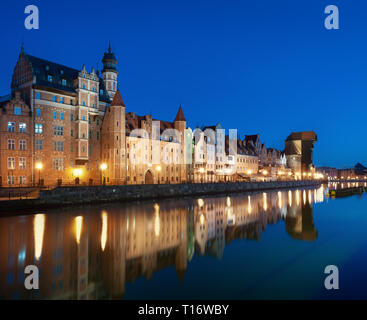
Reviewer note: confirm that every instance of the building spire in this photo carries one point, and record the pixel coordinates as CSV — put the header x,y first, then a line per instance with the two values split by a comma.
x,y
22,47
109,46
180,115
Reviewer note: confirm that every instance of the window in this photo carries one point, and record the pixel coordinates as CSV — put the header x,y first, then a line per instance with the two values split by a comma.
x,y
18,111
11,126
58,164
11,180
61,115
71,117
93,89
97,135
22,145
83,86
90,134
38,128
58,131
38,112
72,132
49,78
47,68
83,118
93,105
39,144
22,163
61,99
101,92
83,103
11,144
54,115
22,127
54,99
38,95
58,146
11,163
22,180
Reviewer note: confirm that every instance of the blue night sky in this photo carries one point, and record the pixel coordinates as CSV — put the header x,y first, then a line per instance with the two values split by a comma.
x,y
263,66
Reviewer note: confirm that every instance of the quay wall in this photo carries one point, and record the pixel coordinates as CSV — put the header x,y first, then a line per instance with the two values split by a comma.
x,y
79,195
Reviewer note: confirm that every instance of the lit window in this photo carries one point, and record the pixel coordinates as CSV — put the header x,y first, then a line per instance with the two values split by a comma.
x,y
63,82
17,111
54,115
38,112
11,163
61,71
93,89
58,164
49,78
83,86
54,99
38,95
22,163
22,127
11,126
83,103
83,118
101,92
61,100
38,128
61,115
71,117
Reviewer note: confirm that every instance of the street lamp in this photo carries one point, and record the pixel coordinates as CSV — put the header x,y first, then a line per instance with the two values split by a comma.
x,y
103,167
201,170
158,168
39,166
77,173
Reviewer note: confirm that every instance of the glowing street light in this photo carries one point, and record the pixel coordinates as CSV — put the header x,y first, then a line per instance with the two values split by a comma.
x,y
158,168
39,167
103,167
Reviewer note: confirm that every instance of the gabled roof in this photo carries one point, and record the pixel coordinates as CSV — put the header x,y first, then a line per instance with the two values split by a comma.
x,y
117,100
180,115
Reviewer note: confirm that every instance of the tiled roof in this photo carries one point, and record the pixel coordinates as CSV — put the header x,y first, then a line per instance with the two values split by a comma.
x,y
180,115
117,100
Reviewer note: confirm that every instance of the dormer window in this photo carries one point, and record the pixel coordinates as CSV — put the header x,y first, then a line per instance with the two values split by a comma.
x,y
61,71
47,68
49,78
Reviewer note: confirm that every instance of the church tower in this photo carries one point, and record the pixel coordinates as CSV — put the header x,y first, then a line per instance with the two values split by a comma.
x,y
109,72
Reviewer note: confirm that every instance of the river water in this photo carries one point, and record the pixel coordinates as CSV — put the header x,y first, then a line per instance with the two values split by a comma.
x,y
264,245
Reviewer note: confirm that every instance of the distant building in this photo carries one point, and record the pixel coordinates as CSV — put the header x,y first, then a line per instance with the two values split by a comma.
x,y
298,151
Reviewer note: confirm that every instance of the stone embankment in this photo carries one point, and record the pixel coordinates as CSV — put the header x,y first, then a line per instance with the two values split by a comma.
x,y
68,196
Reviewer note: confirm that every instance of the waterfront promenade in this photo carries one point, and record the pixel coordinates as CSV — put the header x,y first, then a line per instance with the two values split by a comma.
x,y
79,195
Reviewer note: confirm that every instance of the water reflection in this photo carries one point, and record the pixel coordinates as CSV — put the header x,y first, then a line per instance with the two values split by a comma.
x,y
94,255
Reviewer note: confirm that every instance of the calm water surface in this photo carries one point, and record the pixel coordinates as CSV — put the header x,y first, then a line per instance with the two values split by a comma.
x,y
272,245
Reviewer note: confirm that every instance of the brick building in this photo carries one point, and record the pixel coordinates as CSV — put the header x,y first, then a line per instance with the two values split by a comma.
x,y
59,125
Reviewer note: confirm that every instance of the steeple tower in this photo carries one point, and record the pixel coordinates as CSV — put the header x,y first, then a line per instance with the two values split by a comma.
x,y
109,71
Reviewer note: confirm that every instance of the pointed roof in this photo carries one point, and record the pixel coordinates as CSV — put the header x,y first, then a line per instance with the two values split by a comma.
x,y
117,100
180,115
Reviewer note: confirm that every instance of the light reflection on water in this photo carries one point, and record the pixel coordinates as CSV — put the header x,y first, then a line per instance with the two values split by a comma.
x,y
99,251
